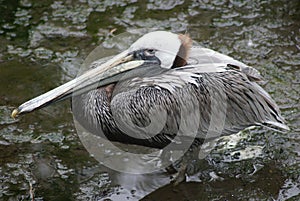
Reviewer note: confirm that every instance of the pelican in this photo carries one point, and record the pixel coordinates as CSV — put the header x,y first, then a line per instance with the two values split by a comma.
x,y
164,72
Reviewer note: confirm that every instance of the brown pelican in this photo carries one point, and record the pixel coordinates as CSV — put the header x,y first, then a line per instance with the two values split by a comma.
x,y
163,71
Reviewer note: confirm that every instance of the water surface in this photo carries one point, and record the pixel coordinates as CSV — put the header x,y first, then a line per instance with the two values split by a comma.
x,y
43,43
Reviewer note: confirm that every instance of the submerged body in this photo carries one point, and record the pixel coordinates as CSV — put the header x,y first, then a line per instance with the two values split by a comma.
x,y
161,89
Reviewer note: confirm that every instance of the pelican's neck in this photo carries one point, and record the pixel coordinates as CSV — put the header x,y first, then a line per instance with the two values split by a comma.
x,y
183,52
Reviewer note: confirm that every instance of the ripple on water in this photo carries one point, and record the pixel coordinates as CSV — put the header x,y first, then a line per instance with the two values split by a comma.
x,y
22,17
43,53
95,188
289,190
163,4
17,174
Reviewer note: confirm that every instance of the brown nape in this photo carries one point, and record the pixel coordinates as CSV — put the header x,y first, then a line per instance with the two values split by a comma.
x,y
183,53
109,90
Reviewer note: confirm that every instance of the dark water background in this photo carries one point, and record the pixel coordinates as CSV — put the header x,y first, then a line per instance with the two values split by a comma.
x,y
42,44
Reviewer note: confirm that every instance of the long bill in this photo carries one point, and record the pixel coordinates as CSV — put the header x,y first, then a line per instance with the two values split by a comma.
x,y
104,74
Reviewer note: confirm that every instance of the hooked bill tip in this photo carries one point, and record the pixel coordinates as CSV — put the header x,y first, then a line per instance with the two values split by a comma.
x,y
14,113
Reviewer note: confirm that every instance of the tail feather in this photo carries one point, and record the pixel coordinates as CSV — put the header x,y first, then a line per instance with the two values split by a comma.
x,y
276,126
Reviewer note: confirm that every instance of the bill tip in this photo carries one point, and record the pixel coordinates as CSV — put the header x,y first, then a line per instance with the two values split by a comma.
x,y
14,113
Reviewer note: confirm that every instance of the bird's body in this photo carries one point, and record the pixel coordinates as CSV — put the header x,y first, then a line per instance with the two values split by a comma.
x,y
243,102
163,89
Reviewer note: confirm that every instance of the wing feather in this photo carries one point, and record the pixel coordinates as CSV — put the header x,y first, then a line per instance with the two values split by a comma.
x,y
245,103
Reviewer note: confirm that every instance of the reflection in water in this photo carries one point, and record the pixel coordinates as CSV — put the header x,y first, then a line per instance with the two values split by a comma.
x,y
267,181
141,184
42,44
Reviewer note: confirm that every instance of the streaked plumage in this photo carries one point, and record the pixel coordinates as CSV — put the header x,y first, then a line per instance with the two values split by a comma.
x,y
247,103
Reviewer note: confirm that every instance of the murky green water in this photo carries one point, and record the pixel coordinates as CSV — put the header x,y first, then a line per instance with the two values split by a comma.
x,y
42,44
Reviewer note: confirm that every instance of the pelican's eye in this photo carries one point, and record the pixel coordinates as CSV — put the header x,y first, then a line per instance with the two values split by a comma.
x,y
149,52
145,54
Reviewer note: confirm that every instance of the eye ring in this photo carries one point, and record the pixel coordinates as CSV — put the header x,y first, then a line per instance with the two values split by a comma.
x,y
149,52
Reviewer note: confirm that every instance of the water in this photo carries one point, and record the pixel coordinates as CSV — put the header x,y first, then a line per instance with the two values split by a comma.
x,y
42,44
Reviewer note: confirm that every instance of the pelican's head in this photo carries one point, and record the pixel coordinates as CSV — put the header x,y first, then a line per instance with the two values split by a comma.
x,y
169,49
160,49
